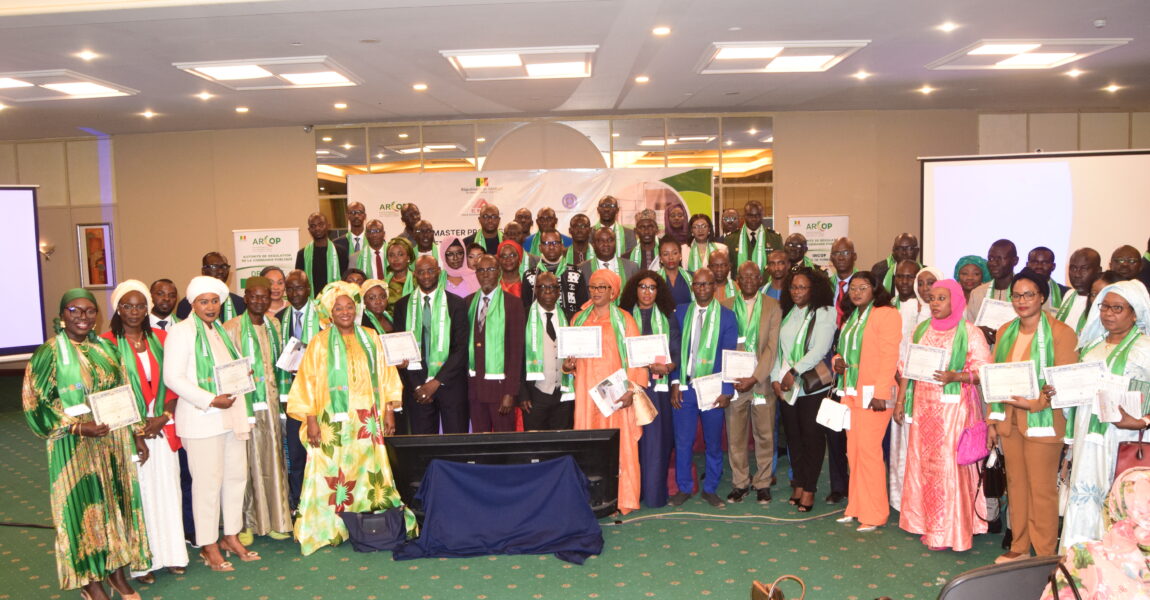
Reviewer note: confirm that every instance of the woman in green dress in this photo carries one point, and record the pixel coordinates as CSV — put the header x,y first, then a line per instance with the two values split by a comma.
x,y
345,395
95,495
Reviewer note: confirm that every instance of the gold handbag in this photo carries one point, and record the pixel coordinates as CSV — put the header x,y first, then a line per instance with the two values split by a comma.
x,y
645,411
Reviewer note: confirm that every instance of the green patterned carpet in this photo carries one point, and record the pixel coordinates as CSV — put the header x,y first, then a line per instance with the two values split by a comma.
x,y
690,552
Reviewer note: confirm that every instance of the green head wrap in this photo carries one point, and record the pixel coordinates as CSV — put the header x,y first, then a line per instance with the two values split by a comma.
x,y
73,294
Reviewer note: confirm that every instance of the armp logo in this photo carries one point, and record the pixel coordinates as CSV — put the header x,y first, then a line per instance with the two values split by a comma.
x,y
391,206
819,226
264,240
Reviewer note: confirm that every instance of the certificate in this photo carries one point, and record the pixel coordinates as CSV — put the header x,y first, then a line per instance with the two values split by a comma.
x,y
115,408
1003,381
606,393
923,361
1075,385
579,342
737,365
994,314
398,347
707,390
234,378
1109,401
647,350
291,356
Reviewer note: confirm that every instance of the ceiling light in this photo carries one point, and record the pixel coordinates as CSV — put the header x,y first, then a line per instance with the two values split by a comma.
x,y
480,140
1112,88
327,138
83,89
340,105
1075,72
695,138
1035,59
614,135
86,55
656,141
947,27
347,146
402,136
323,152
748,52
242,109
419,87
770,139
798,64
8,82
924,90
147,114
380,155
642,79
204,96
552,70
730,142
752,131
1003,49
661,30
234,72
3,106
317,79
861,75
487,61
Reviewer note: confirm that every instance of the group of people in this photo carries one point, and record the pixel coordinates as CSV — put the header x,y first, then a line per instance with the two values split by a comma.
x,y
486,310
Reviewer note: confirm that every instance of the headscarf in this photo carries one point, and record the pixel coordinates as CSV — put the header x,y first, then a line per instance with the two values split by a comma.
x,y
938,276
514,245
370,283
683,236
407,247
128,286
957,306
605,277
470,283
74,294
972,259
1133,292
1042,282
202,284
334,290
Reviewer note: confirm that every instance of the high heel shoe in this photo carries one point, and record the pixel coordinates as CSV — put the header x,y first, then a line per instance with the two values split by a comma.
x,y
221,566
805,508
114,590
246,556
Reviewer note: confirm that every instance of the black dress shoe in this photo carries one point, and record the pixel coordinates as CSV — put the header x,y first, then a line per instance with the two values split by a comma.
x,y
678,499
738,493
712,499
835,498
763,496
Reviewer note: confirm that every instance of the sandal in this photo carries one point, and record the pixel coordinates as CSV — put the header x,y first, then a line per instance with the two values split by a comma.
x,y
220,566
146,579
805,508
177,570
245,556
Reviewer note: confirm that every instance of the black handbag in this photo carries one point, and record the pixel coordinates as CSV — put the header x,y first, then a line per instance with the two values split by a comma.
x,y
819,376
1069,582
372,532
994,478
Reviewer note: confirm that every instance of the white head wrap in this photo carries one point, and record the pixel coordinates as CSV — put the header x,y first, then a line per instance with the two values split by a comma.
x,y
938,276
202,284
131,285
1133,292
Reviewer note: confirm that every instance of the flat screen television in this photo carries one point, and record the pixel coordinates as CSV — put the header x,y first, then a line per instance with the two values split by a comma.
x,y
596,451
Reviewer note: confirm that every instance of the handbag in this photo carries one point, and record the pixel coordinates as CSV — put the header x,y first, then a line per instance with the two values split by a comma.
x,y
972,443
1132,454
763,591
994,477
1069,582
645,411
820,375
374,531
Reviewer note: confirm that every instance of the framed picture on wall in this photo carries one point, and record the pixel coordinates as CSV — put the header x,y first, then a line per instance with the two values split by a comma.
x,y
97,263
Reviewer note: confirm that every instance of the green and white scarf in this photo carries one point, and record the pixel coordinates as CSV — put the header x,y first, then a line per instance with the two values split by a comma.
x,y
440,325
636,255
338,386
749,325
694,262
729,290
708,340
365,258
620,236
494,334
850,347
69,381
536,328
958,348
408,282
659,326
206,361
1116,360
1055,295
1041,423
1067,305
758,254
333,273
132,373
799,348
682,274
250,347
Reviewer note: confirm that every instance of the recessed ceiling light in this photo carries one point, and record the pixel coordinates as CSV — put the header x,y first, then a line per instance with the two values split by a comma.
x,y
3,106
661,30
419,87
204,96
1075,72
402,136
242,109
924,90
947,27
347,146
553,70
487,61
318,78
614,135
480,140
8,82
1112,88
730,142
798,64
656,141
1003,49
768,140
147,114
1034,59
83,89
340,105
748,52
752,131
642,79
323,152
327,138
234,72
380,155
87,55
861,75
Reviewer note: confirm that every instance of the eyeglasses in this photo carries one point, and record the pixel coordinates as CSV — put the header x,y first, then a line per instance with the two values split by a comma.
x,y
649,287
1117,309
703,284
1027,296
133,307
487,270
357,212
550,287
223,267
598,288
907,248
374,231
551,243
800,288
841,253
1127,261
76,311
859,288
489,217
795,245
608,205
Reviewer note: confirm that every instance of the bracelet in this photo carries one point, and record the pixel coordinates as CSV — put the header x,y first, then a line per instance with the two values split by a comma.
x,y
74,429
169,415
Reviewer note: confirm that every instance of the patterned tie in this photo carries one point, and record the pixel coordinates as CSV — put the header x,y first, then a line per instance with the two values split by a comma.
x,y
483,312
356,240
378,265
550,325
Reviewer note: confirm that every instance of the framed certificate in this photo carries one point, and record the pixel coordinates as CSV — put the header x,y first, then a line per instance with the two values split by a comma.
x,y
737,365
234,378
995,313
647,350
115,408
579,342
1075,385
398,347
1003,381
923,361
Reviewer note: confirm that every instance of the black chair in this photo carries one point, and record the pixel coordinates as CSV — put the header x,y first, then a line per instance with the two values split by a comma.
x,y
1017,580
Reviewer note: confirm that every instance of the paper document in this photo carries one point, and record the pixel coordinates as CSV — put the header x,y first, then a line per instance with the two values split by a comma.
x,y
115,408
1003,381
579,342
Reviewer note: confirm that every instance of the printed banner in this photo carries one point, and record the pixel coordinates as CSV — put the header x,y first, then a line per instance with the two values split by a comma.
x,y
821,232
259,248
451,201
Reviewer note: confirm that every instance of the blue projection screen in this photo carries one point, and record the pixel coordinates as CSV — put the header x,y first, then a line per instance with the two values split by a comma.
x,y
1061,201
22,304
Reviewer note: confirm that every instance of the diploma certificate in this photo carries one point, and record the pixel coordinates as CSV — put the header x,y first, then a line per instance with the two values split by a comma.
x,y
707,390
115,408
995,313
234,378
579,342
606,393
398,347
647,350
1075,385
1003,381
737,365
291,356
923,361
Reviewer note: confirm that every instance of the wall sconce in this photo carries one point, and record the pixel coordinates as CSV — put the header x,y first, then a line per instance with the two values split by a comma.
x,y
47,250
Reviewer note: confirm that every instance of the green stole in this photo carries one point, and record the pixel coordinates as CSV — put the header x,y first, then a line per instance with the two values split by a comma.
x,y
311,326
636,255
659,326
758,254
536,325
850,346
366,257
749,324
69,381
729,290
1066,305
958,349
618,327
440,323
494,332
227,309
250,347
132,373
798,349
1055,295
807,262
683,274
338,387
1116,360
1041,423
408,282
333,273
206,361
708,340
694,263
888,278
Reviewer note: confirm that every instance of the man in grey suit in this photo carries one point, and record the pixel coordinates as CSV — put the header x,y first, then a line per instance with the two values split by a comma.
x,y
603,242
753,406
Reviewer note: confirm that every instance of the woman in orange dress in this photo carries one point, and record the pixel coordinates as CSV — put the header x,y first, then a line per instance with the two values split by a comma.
x,y
616,324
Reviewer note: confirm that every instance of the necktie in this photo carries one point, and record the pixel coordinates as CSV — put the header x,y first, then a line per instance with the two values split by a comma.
x,y
751,241
162,324
696,333
378,265
483,312
550,326
426,325
297,323
605,265
356,240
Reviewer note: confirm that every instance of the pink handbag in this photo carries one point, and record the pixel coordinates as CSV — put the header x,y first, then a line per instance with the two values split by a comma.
x,y
972,443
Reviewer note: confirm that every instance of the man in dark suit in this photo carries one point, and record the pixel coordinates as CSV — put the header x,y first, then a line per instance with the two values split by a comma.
x,y
905,247
572,294
603,242
214,264
434,394
298,320
755,234
320,249
609,219
488,235
492,395
540,396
